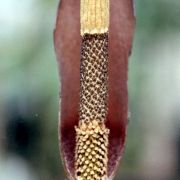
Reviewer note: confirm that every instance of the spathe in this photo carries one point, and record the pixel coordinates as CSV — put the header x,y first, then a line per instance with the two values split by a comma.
x,y
67,42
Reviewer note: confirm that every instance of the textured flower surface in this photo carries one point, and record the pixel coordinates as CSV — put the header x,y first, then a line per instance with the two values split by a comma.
x,y
67,40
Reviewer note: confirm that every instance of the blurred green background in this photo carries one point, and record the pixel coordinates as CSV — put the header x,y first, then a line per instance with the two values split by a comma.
x,y
29,93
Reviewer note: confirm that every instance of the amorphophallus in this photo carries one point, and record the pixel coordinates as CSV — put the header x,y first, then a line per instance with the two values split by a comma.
x,y
93,40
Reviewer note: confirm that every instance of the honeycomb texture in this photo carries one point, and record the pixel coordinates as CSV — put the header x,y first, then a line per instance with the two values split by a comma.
x,y
91,151
94,77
